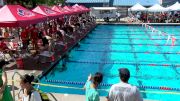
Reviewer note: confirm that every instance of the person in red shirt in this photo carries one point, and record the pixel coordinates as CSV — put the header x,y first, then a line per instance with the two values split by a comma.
x,y
34,36
3,46
24,37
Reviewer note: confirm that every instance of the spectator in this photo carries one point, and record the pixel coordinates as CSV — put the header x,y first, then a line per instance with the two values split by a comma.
x,y
1,32
91,87
34,36
6,33
5,94
30,94
124,91
3,46
24,38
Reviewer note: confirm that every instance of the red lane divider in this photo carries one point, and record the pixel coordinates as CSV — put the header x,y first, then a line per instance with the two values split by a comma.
x,y
166,65
152,64
147,52
165,88
157,52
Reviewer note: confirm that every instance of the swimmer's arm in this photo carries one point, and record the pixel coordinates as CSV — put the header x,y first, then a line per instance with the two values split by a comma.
x,y
89,79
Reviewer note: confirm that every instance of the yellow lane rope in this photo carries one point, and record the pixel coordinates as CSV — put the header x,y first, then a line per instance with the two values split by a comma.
x,y
77,88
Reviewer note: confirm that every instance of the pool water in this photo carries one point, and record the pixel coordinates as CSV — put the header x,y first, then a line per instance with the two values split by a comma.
x,y
151,61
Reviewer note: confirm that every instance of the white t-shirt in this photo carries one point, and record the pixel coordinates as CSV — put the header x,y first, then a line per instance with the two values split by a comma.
x,y
35,96
124,92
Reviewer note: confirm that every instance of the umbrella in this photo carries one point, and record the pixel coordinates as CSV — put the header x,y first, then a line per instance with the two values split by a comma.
x,y
51,14
78,9
59,9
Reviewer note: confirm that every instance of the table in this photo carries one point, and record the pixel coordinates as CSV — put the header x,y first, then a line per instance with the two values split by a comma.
x,y
46,56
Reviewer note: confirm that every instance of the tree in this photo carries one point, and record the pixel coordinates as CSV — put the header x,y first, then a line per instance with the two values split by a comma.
x,y
34,3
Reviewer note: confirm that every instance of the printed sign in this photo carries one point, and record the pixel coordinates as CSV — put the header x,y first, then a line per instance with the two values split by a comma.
x,y
24,13
48,11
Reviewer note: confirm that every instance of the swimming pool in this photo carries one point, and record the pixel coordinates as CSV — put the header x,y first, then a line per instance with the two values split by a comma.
x,y
154,66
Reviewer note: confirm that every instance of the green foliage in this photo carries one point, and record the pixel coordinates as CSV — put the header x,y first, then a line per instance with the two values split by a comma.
x,y
34,3
53,2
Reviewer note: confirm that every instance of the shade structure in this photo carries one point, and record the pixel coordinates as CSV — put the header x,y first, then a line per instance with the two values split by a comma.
x,y
83,7
78,8
51,14
69,9
156,8
174,7
18,16
68,12
137,7
60,9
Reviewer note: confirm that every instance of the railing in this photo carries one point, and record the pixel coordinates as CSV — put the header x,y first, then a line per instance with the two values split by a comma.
x,y
13,88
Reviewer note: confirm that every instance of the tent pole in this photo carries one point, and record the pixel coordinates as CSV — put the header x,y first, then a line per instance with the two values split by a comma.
x,y
146,16
19,33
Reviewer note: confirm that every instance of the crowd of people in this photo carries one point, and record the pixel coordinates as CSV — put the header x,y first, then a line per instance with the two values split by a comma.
x,y
44,36
166,17
39,37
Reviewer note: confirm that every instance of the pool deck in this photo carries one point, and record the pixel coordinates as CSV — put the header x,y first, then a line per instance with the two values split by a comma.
x,y
67,97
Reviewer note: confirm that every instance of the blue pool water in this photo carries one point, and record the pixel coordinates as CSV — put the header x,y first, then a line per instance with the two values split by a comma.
x,y
110,47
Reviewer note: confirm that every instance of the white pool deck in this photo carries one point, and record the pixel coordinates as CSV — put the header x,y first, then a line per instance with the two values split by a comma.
x,y
52,96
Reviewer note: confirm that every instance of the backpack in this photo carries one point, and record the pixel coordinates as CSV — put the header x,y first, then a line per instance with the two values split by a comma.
x,y
44,96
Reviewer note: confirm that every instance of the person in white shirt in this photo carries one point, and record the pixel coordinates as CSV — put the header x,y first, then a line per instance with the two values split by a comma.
x,y
29,93
124,91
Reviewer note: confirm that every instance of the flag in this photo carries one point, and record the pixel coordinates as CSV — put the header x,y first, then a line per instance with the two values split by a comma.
x,y
173,40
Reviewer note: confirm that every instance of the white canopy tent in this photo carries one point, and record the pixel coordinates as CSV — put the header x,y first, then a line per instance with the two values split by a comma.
x,y
174,7
104,8
156,8
137,7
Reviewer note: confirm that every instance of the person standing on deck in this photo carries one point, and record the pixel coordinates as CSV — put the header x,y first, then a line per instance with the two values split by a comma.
x,y
91,87
29,93
124,91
